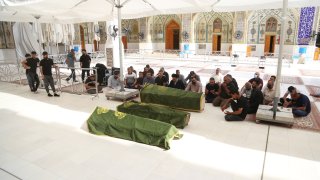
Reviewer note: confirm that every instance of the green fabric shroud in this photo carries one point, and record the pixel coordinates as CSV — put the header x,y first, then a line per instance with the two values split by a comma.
x,y
175,98
134,128
179,119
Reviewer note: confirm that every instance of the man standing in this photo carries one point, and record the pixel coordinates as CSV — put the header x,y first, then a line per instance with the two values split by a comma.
x,y
71,58
238,105
31,64
194,85
176,83
85,61
46,64
161,80
212,89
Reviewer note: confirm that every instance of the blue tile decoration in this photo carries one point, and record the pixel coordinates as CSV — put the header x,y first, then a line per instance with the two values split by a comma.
x,y
305,26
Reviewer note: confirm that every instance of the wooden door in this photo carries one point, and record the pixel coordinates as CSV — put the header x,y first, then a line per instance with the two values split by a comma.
x,y
172,35
95,45
125,42
83,46
267,44
216,42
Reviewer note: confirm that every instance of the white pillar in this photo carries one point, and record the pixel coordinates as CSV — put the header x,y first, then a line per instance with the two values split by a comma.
x,y
279,67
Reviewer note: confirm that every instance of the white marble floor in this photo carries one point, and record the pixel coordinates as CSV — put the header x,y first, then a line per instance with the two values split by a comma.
x,y
46,138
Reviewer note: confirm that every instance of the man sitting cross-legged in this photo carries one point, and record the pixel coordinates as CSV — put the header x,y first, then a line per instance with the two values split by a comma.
x,y
239,107
176,83
212,90
90,84
226,87
194,85
256,98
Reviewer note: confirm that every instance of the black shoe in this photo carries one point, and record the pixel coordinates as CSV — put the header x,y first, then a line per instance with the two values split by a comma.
x,y
67,79
50,95
75,81
56,95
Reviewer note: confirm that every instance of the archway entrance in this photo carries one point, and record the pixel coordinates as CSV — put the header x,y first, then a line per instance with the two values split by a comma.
x,y
173,35
216,42
270,38
270,42
216,37
83,46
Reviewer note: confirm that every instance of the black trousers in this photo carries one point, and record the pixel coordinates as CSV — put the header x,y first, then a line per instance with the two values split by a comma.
x,y
72,75
33,81
84,73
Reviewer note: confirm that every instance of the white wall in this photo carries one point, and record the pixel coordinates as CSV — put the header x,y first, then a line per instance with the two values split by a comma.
x,y
8,56
133,45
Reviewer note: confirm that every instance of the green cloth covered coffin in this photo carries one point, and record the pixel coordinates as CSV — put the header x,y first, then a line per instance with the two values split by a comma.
x,y
175,98
134,128
179,119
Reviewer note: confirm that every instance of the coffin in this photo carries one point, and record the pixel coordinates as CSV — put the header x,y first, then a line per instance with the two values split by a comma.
x,y
175,98
134,128
179,119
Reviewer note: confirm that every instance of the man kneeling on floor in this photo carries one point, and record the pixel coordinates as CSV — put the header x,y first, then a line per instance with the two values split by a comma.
x,y
90,85
239,107
300,103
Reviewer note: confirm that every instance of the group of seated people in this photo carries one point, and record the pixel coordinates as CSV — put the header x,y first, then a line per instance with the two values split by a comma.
x,y
252,94
221,91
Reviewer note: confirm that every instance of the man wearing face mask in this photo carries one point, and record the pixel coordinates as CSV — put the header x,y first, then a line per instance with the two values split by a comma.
x,y
256,98
114,80
269,93
194,85
258,80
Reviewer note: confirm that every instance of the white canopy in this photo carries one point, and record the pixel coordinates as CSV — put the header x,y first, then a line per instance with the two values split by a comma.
x,y
74,11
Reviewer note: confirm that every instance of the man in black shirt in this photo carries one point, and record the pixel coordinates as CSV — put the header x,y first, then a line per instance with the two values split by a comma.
x,y
224,91
161,80
176,82
85,61
211,91
149,69
256,98
258,80
165,73
139,82
31,64
239,107
46,64
23,62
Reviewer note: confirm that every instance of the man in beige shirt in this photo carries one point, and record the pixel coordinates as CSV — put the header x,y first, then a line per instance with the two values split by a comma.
x,y
269,93
194,85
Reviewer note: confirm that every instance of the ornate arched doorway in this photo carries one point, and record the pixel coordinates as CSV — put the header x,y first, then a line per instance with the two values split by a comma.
x,y
216,37
270,37
172,35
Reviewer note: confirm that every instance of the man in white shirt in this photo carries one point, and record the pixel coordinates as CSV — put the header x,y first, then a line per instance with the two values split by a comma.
x,y
130,79
269,93
218,77
114,81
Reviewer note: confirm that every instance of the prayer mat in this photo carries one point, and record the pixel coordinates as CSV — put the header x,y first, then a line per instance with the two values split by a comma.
x,y
308,72
175,98
134,128
179,119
